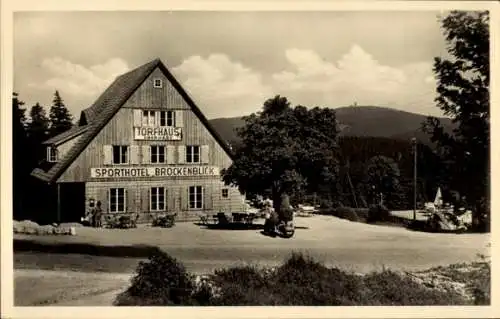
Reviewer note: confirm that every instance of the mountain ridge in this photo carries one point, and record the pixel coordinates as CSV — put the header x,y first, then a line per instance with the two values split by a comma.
x,y
366,121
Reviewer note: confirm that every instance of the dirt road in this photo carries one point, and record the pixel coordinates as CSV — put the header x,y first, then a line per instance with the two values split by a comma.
x,y
353,246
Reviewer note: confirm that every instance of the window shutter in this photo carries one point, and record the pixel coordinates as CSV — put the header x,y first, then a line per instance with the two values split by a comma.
x,y
109,200
125,200
205,154
48,154
185,198
137,118
165,199
157,118
108,154
207,198
134,154
170,154
179,121
146,154
150,197
182,154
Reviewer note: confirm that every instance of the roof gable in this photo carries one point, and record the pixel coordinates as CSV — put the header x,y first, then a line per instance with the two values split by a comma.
x,y
110,102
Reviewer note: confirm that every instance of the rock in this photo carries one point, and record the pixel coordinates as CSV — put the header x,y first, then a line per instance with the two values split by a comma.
x,y
45,230
72,231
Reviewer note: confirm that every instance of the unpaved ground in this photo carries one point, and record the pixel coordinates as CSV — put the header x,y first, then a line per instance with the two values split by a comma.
x,y
353,246
35,287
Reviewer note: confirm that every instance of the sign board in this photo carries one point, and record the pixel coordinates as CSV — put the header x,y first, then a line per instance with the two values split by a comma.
x,y
153,171
168,133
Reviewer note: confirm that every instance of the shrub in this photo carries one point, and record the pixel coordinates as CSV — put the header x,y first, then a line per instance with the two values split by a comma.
x,y
362,213
378,213
346,213
390,288
162,280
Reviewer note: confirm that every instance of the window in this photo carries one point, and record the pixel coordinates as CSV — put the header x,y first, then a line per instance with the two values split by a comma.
x,y
52,154
148,118
192,153
157,83
157,154
117,200
225,193
167,118
120,153
157,199
195,197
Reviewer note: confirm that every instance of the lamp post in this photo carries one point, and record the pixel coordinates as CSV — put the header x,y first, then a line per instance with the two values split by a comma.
x,y
414,144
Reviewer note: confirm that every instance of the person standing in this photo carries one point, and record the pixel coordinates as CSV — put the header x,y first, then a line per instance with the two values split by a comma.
x,y
98,215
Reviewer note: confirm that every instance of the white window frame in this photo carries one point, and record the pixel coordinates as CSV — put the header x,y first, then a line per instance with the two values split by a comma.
x,y
197,191
191,154
155,156
226,191
148,118
123,151
114,192
157,192
52,154
157,86
168,116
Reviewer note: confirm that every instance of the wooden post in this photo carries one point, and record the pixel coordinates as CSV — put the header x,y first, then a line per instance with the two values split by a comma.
x,y
58,202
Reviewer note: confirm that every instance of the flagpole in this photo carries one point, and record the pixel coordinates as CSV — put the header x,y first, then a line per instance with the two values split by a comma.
x,y
414,143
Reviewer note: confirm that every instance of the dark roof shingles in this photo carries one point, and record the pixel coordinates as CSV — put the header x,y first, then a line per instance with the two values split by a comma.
x,y
64,136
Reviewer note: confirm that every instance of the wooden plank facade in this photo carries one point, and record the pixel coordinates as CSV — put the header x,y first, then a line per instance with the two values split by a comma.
x,y
155,154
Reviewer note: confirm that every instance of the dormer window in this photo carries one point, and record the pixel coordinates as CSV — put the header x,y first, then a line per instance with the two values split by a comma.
x,y
52,154
157,83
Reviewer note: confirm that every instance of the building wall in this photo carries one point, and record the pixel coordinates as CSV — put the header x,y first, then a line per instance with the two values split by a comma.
x,y
63,148
120,131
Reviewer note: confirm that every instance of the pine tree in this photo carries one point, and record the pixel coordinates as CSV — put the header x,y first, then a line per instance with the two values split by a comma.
x,y
60,117
20,154
38,129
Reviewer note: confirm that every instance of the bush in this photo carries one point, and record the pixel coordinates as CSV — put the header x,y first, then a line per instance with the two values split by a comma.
x,y
346,213
299,281
378,213
362,213
162,280
390,288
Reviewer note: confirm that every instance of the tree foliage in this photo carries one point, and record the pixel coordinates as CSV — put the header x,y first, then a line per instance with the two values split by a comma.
x,y
60,117
37,129
284,149
463,94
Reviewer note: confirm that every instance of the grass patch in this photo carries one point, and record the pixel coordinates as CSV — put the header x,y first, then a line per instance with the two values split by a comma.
x,y
299,281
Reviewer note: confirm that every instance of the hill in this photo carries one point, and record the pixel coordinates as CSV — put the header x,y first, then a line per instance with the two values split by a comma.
x,y
357,121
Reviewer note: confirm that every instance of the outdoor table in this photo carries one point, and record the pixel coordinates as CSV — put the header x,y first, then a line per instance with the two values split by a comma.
x,y
243,217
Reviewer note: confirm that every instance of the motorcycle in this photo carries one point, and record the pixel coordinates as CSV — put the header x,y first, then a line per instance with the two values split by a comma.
x,y
285,229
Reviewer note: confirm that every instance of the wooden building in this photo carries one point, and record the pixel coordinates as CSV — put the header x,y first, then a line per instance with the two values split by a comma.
x,y
143,147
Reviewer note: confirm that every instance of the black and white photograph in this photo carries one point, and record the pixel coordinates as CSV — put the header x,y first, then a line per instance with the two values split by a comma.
x,y
201,158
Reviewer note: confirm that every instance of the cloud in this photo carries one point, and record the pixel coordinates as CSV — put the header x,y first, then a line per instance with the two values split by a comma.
x,y
227,88
78,80
224,87
356,77
221,86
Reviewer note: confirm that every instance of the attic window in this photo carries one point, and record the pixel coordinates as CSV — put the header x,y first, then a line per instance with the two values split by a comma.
x,y
51,154
157,83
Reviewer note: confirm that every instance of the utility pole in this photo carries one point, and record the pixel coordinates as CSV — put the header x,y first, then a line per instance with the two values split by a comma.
x,y
414,144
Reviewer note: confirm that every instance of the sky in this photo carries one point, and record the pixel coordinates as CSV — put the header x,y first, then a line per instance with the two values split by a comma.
x,y
231,62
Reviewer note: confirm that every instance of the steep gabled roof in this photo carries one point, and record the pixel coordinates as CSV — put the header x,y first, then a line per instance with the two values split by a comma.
x,y
65,136
109,103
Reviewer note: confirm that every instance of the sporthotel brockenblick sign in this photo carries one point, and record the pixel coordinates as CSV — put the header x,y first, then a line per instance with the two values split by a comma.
x,y
169,133
153,171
